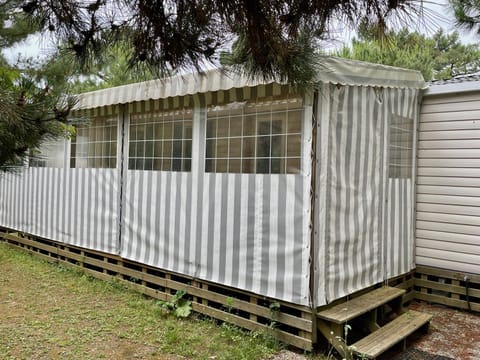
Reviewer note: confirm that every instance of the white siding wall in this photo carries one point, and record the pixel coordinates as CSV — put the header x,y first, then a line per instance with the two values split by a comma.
x,y
448,182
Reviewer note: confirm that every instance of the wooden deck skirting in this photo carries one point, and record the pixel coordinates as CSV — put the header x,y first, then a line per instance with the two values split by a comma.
x,y
293,323
452,288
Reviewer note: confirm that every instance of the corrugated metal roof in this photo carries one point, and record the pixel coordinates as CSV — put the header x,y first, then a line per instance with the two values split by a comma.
x,y
331,70
458,84
456,80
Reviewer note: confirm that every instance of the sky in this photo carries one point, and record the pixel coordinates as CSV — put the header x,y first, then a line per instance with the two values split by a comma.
x,y
437,15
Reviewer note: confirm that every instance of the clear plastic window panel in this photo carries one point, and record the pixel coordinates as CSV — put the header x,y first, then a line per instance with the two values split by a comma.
x,y
161,141
50,154
400,147
255,137
95,145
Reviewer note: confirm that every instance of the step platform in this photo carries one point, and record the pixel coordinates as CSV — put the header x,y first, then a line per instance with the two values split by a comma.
x,y
391,334
364,309
355,307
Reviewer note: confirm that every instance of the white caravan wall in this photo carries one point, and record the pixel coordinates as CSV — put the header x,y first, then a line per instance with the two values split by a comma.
x,y
448,183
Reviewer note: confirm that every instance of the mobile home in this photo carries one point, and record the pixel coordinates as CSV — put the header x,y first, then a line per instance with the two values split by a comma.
x,y
299,196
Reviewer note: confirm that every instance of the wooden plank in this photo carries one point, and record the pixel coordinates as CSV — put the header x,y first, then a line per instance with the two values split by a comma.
x,y
204,301
253,300
353,308
443,300
299,323
392,333
294,340
449,274
142,276
424,290
454,294
33,243
450,288
334,335
206,294
409,297
405,284
33,252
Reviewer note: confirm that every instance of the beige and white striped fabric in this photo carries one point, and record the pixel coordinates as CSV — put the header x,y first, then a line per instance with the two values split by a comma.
x,y
364,218
250,231
74,206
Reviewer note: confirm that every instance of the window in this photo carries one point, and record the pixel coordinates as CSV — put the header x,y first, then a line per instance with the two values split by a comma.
x,y
255,137
95,145
49,154
161,141
400,147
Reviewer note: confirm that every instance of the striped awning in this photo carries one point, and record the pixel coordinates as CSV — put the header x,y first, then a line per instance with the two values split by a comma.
x,y
331,70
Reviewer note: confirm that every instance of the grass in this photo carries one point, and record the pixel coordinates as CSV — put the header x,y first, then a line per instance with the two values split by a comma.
x,y
50,312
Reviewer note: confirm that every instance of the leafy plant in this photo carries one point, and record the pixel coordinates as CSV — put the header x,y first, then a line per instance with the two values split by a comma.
x,y
274,310
178,305
229,304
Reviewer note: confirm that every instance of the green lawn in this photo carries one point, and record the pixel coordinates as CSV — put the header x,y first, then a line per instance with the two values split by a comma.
x,y
49,312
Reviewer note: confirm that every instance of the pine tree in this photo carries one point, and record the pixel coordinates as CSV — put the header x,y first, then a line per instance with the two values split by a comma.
x,y
441,56
273,39
32,110
467,14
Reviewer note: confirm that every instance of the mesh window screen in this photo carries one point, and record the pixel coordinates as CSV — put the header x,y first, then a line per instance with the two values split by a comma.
x,y
400,147
50,154
95,145
255,137
161,141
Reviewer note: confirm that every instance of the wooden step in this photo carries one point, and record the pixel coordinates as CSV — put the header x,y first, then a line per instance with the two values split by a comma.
x,y
392,333
360,305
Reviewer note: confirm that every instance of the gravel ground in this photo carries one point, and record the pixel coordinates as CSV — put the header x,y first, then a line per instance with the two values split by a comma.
x,y
288,355
453,333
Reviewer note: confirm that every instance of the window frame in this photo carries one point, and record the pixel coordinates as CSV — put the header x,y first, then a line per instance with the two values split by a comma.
x,y
95,153
175,150
283,109
398,147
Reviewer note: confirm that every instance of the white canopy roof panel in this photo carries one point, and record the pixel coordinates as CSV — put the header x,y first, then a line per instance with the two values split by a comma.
x,y
331,70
